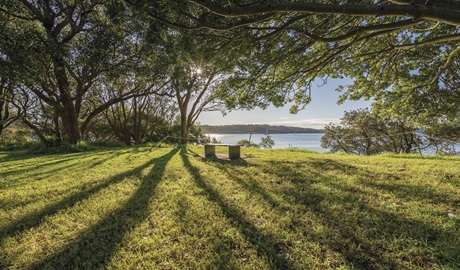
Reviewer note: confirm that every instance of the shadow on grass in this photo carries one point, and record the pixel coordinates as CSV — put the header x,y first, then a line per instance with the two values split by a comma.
x,y
264,244
391,182
95,247
57,160
449,158
250,183
367,236
25,155
35,218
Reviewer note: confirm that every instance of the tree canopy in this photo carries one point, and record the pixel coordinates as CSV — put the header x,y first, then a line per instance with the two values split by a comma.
x,y
398,46
70,61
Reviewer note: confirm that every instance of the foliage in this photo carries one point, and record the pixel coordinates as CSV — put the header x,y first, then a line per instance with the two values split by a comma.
x,y
151,208
64,63
247,143
433,112
106,143
386,47
60,52
60,147
197,66
16,134
363,133
443,136
173,134
140,119
267,142
261,129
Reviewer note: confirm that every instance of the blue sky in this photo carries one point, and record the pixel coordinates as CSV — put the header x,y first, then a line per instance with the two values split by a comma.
x,y
322,110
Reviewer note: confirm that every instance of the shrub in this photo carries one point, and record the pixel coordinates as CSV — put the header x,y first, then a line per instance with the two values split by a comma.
x,y
59,147
247,143
267,142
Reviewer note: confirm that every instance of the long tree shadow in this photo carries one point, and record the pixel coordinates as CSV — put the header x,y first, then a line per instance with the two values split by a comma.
x,y
108,233
420,193
57,160
37,217
392,183
35,166
264,244
363,237
26,154
250,183
54,187
96,246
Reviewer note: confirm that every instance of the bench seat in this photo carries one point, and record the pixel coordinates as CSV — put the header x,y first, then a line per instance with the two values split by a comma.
x,y
233,150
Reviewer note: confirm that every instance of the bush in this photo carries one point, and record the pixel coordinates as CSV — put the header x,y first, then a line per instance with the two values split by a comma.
x,y
267,142
362,132
247,143
15,135
58,147
108,144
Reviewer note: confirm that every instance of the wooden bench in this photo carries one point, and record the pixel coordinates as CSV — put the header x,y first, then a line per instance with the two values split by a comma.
x,y
233,150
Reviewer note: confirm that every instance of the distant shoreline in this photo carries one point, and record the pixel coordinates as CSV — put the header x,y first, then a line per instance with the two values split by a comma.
x,y
257,129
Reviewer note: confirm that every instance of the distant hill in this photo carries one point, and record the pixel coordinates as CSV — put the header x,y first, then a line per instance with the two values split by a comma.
x,y
261,129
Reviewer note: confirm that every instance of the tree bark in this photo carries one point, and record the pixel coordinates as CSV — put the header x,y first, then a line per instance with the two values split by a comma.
x,y
184,128
69,116
36,130
444,13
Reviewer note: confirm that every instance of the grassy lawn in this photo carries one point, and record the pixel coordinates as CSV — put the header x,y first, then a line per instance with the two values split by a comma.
x,y
167,208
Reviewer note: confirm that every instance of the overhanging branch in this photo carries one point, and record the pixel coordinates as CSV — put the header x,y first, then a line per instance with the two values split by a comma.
x,y
425,12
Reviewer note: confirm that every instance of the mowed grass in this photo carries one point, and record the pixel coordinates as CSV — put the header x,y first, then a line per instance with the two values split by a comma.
x,y
168,208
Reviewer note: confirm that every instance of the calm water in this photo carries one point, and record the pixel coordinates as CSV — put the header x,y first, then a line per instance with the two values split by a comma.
x,y
310,141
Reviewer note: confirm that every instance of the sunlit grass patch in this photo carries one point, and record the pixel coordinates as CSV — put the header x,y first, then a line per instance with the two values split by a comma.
x,y
168,208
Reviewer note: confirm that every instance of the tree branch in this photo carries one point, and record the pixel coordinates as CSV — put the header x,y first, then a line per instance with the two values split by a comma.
x,y
446,65
432,41
425,12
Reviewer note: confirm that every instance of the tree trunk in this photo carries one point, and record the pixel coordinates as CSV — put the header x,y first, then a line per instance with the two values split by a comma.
x,y
137,121
3,116
184,128
36,130
69,116
70,124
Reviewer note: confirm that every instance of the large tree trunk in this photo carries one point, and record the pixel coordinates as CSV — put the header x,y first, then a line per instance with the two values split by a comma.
x,y
70,124
69,116
184,128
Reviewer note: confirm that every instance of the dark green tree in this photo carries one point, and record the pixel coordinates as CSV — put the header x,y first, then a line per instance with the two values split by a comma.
x,y
286,45
141,119
198,66
62,48
267,142
363,133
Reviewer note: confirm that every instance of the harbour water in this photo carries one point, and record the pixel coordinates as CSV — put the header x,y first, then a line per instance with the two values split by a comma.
x,y
310,141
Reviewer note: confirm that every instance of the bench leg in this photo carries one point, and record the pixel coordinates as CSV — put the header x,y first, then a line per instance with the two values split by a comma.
x,y
233,152
209,151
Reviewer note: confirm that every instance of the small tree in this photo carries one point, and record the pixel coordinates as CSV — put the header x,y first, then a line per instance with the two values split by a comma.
x,y
363,133
267,142
247,143
443,136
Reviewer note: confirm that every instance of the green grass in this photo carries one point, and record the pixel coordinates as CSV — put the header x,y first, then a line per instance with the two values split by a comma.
x,y
167,208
